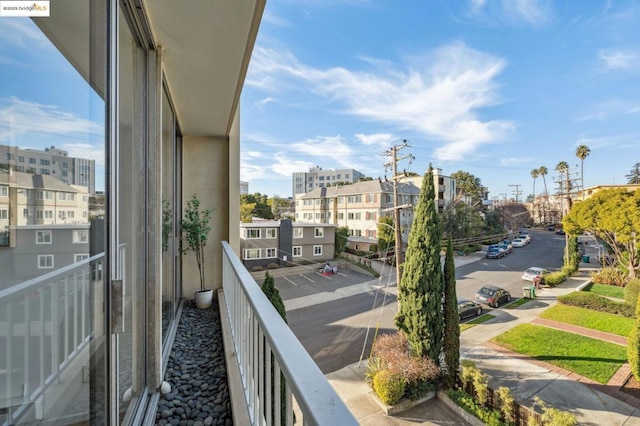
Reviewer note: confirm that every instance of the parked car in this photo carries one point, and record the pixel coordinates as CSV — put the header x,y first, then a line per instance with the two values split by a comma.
x,y
518,243
533,272
507,248
551,228
468,308
494,252
492,295
525,237
560,232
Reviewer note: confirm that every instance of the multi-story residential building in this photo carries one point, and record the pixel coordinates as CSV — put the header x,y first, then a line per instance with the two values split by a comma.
x,y
445,187
304,182
53,162
358,206
159,83
285,242
27,199
244,187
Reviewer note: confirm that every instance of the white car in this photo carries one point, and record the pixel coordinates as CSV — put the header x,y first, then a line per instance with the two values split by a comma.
x,y
533,272
525,237
518,243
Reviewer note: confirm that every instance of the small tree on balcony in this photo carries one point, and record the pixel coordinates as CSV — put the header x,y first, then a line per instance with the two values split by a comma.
x,y
196,226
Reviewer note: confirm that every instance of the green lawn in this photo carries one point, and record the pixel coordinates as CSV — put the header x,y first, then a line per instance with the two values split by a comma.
x,y
473,323
518,302
582,317
588,357
606,290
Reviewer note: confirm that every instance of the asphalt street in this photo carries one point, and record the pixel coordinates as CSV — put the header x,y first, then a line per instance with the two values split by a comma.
x,y
335,317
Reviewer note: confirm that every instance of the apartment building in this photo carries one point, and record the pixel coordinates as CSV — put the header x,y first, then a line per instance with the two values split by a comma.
x,y
51,161
285,242
304,182
445,187
358,206
31,199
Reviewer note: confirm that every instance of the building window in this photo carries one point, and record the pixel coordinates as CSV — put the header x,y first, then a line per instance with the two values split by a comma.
x,y
350,216
80,257
64,165
39,214
9,156
71,214
252,253
62,196
25,212
64,173
44,171
32,161
340,216
62,214
20,168
71,197
4,191
48,214
319,232
44,195
80,236
271,233
270,253
252,234
4,214
298,232
45,261
45,162
297,251
317,250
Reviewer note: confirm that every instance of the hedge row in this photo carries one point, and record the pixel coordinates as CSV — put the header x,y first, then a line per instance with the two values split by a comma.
x,y
597,303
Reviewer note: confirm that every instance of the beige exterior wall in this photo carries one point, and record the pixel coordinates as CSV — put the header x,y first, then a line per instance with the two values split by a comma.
x,y
206,173
234,183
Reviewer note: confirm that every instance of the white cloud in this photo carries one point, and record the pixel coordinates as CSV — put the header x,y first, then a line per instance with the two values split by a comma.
x,y
619,59
381,140
284,166
262,102
438,95
513,12
22,119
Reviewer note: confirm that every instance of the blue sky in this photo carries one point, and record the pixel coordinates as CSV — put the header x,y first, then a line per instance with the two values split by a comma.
x,y
44,101
492,87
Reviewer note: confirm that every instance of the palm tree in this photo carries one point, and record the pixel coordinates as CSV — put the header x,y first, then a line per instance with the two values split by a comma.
x,y
563,168
634,176
534,174
582,152
542,171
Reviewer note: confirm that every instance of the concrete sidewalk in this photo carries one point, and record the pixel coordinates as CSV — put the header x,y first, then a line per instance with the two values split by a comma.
x,y
523,376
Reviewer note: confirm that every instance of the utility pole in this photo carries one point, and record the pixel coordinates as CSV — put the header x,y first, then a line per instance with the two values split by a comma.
x,y
516,191
393,164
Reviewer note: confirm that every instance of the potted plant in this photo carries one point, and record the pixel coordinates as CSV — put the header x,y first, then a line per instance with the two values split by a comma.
x,y
196,226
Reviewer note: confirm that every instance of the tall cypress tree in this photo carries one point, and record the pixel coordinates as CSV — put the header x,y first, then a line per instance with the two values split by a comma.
x,y
271,291
420,291
451,318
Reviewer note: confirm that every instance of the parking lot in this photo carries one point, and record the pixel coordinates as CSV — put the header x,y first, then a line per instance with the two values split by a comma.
x,y
308,283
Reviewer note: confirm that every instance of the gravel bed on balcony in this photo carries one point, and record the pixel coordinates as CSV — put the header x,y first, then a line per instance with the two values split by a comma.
x,y
196,372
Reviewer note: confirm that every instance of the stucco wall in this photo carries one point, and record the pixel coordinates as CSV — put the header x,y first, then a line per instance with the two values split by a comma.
x,y
206,173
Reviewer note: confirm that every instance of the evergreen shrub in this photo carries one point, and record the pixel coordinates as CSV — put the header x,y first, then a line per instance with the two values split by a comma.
x,y
389,387
610,276
597,303
631,291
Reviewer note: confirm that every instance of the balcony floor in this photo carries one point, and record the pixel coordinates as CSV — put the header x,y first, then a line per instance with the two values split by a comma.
x,y
196,372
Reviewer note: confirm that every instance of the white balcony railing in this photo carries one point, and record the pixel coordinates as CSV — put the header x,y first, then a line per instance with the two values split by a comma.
x,y
265,347
45,323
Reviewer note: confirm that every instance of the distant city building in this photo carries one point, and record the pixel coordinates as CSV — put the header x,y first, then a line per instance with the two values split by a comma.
x,y
244,187
445,187
52,162
304,182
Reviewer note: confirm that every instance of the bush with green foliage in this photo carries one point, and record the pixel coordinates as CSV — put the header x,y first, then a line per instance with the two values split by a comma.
x,y
633,345
507,404
552,279
390,352
597,303
273,266
272,293
631,291
610,276
471,406
553,416
389,387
